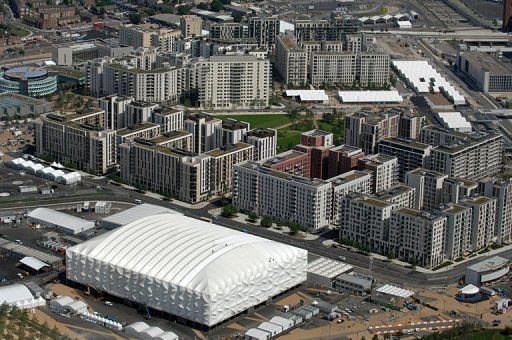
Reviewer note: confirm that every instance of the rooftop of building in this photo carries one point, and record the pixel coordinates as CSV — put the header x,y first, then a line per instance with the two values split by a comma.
x,y
376,202
472,140
454,209
479,200
488,62
289,42
316,133
409,143
164,111
66,71
137,128
410,212
171,151
371,117
139,103
283,157
227,149
348,177
395,191
136,70
284,175
427,172
201,115
233,124
376,159
170,136
234,58
492,263
346,149
262,132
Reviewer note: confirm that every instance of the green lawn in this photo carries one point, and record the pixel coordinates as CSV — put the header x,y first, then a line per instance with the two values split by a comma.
x,y
260,121
13,30
288,137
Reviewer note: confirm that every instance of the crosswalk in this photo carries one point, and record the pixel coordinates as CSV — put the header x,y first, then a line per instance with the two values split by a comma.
x,y
419,326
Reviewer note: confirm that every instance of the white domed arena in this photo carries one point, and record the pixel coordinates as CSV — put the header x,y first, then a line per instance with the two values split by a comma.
x,y
187,267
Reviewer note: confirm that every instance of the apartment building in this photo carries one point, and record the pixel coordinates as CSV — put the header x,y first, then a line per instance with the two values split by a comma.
x,y
169,119
222,161
287,198
410,154
455,189
354,181
291,61
483,220
333,68
399,195
165,39
202,127
458,230
429,187
180,140
365,220
139,112
143,131
372,68
343,158
231,131
135,35
230,81
335,28
418,237
168,171
228,31
366,129
264,142
78,145
115,111
384,170
501,190
437,136
191,26
476,157
292,162
410,125
265,30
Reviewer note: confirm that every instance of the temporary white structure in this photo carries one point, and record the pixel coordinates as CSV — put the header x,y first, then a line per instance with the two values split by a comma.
x,y
256,334
20,296
33,168
44,171
56,219
370,96
272,328
151,332
136,328
33,263
283,322
187,267
60,303
69,178
55,174
167,336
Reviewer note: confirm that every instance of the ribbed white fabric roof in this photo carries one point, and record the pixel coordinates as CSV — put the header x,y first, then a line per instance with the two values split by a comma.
x,y
135,213
33,263
14,293
395,291
455,121
308,95
424,78
68,223
369,96
162,260
469,289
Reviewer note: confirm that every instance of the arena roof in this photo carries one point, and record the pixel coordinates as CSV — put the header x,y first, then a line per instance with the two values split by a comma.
x,y
187,267
370,96
132,214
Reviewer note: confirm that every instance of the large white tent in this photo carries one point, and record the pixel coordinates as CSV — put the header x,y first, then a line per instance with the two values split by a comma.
x,y
187,267
56,219
20,296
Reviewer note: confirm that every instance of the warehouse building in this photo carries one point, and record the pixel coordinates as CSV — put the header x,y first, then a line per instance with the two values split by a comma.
x,y
488,72
56,219
189,268
487,271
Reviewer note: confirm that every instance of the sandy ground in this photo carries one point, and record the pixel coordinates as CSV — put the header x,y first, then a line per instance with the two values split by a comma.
x,y
5,135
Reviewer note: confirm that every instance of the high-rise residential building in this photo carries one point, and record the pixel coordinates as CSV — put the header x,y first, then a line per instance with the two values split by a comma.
x,y
284,197
501,190
222,161
483,220
292,162
115,111
455,189
458,230
437,136
231,131
291,61
168,171
418,237
170,119
366,129
191,26
230,81
317,144
333,68
180,140
342,158
476,157
165,39
135,35
410,154
336,28
354,181
265,30
202,126
399,195
409,125
507,15
429,187
365,220
384,170
144,131
264,141
228,31
75,143
372,68
139,112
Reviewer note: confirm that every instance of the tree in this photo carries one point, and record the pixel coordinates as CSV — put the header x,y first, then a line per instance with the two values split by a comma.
x,y
237,17
182,10
266,222
252,217
294,228
203,6
216,6
135,18
229,211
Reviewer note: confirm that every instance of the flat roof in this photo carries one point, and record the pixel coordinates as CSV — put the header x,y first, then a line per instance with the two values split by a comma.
x,y
33,263
492,263
227,149
323,266
455,121
308,95
355,279
488,62
62,220
391,96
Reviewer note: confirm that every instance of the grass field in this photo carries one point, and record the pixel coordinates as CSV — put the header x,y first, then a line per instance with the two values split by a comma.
x,y
12,30
260,121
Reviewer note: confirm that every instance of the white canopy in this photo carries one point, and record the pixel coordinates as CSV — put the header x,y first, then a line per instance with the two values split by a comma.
x,y
469,290
33,263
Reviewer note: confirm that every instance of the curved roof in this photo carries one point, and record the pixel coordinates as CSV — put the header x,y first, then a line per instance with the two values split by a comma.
x,y
183,250
25,72
469,290
14,293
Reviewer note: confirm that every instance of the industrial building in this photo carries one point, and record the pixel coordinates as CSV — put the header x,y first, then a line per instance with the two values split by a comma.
x,y
487,271
189,268
56,219
488,72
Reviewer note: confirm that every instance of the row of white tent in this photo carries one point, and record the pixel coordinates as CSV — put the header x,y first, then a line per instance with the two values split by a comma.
x,y
142,330
50,173
97,319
